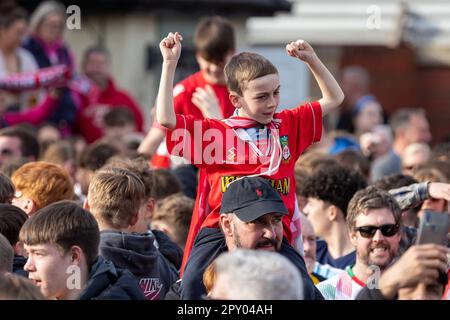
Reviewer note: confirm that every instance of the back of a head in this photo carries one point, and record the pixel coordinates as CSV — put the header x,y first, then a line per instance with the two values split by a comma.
x,y
12,219
43,182
6,255
115,196
395,181
415,148
245,67
139,167
59,152
214,39
334,184
29,146
175,211
64,224
96,155
441,152
7,189
15,287
430,173
256,275
400,119
119,117
165,183
354,160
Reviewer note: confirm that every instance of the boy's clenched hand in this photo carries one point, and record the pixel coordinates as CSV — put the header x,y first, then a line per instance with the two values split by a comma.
x,y
301,49
171,47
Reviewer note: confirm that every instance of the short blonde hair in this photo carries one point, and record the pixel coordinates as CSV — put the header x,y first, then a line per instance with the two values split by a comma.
x,y
43,182
115,196
245,67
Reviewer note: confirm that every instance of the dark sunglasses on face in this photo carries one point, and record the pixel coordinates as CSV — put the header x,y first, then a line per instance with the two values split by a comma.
x,y
387,230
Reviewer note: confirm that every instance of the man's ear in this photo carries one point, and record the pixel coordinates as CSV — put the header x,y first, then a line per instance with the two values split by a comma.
x,y
30,207
332,212
353,237
134,219
225,223
150,206
235,99
18,249
76,254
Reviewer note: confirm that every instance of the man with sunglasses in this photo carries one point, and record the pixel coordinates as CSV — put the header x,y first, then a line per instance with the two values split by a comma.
x,y
373,221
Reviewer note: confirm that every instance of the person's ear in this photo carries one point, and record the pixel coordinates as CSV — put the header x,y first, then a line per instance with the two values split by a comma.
x,y
235,99
29,206
332,213
150,206
134,219
225,223
353,237
18,249
76,254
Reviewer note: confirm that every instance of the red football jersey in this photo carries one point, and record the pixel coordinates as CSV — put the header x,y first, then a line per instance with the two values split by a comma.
x,y
215,147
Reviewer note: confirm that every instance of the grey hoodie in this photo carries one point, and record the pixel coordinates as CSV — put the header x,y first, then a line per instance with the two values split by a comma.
x,y
138,254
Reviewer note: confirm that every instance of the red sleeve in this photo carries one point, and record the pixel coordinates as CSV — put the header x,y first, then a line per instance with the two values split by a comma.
x,y
187,139
305,122
35,115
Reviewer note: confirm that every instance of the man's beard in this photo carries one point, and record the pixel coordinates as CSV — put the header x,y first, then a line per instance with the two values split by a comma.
x,y
365,258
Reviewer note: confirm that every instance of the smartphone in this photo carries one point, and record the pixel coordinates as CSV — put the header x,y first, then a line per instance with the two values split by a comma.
x,y
434,227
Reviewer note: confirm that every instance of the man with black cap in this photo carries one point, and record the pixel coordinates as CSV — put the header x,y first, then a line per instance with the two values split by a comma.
x,y
251,213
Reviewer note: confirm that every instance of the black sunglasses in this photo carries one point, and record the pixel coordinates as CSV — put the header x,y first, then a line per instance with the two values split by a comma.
x,y
387,230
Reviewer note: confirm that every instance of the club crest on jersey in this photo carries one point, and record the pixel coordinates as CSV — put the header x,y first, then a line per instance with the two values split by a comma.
x,y
285,152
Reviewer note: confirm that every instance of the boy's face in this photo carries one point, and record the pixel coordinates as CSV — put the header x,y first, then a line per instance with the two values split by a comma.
x,y
47,268
260,99
212,71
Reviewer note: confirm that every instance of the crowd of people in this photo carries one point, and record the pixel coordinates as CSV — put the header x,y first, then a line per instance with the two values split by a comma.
x,y
224,197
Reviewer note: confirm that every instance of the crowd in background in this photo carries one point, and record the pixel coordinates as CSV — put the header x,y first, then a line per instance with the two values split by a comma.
x,y
83,184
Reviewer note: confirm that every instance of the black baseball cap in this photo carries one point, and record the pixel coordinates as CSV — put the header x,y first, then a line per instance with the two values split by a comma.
x,y
250,198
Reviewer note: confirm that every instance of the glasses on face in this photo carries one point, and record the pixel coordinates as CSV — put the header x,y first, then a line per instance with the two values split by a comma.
x,y
387,230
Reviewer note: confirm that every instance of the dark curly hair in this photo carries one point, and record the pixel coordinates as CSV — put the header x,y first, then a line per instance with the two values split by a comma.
x,y
334,184
394,181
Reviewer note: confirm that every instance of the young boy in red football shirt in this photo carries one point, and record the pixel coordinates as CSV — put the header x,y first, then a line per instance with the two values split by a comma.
x,y
257,141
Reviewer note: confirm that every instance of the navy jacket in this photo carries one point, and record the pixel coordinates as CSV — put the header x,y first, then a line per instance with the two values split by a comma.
x,y
106,282
138,254
210,243
170,250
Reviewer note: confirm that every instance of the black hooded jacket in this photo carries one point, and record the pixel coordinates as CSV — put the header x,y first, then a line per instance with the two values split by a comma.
x,y
107,282
138,254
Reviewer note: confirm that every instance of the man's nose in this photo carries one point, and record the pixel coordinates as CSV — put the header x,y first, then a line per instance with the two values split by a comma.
x,y
29,265
269,231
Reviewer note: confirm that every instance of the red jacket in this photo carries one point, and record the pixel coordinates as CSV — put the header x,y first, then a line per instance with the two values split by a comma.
x,y
89,122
